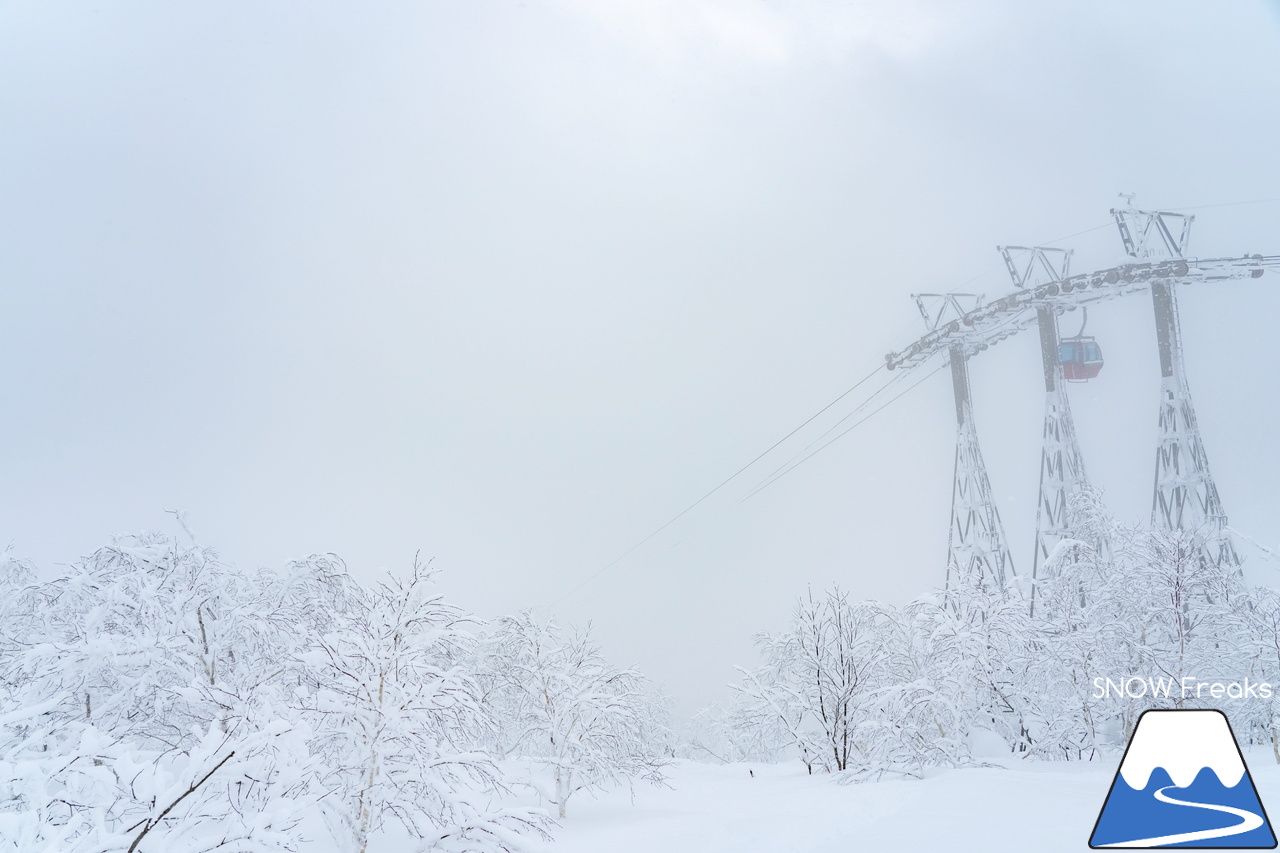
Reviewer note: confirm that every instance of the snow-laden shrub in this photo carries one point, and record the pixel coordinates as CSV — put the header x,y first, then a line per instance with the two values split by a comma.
x,y
868,689
155,698
559,702
144,704
1129,601
721,735
862,686
398,722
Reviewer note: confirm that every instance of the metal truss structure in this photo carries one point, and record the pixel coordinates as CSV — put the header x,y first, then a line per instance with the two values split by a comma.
x,y
961,325
976,547
977,552
1061,463
1185,498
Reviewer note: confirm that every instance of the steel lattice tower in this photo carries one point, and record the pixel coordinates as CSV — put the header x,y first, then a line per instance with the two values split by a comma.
x,y
1061,464
1185,497
961,325
977,553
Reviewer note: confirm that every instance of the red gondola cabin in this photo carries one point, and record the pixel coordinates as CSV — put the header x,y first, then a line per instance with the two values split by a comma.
x,y
1081,358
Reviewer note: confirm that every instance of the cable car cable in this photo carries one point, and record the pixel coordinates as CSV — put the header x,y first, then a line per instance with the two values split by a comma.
x,y
1108,224
896,379
773,479
1224,204
724,483
768,481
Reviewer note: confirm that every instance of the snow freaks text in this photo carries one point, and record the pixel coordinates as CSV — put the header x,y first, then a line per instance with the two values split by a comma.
x,y
1187,687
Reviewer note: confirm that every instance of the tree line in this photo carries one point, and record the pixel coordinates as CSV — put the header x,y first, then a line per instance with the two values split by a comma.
x,y
866,689
155,698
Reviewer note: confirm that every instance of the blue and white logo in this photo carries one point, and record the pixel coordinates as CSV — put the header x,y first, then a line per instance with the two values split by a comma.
x,y
1183,783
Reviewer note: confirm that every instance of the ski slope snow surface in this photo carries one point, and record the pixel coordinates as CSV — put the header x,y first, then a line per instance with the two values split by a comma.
x,y
1044,806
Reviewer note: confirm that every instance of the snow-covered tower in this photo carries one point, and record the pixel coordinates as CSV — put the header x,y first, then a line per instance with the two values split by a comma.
x,y
1185,497
1061,464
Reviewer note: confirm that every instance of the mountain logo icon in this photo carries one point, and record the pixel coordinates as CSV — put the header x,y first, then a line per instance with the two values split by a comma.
x,y
1183,783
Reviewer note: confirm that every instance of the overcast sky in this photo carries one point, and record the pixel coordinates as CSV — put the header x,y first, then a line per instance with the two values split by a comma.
x,y
514,283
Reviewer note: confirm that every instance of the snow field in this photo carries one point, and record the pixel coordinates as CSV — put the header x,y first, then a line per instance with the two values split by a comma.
x,y
1026,806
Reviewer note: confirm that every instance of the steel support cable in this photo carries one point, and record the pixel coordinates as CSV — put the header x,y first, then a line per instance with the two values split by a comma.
x,y
768,481
1109,223
1223,204
897,378
723,483
780,473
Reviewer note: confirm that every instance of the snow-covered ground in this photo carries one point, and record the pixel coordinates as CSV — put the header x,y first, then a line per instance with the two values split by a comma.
x,y
1045,807
707,808
1040,806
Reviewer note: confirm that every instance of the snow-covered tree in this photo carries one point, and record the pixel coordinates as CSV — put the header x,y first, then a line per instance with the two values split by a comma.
x,y
864,687
562,704
820,677
155,698
956,667
1258,648
1148,604
398,719
142,705
724,734
1080,633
